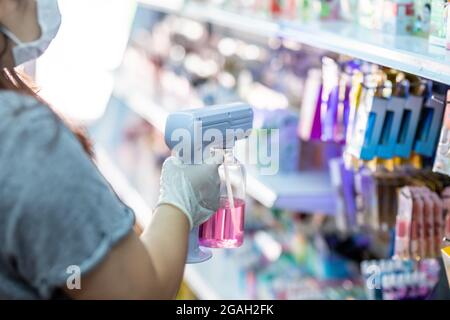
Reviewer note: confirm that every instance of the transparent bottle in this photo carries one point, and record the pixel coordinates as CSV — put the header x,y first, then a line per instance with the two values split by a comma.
x,y
225,229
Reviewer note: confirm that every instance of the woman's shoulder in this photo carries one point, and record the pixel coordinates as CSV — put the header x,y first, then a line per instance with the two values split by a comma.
x,y
14,99
21,111
11,102
18,107
28,126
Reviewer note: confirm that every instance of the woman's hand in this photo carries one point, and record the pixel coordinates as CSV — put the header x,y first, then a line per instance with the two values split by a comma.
x,y
193,189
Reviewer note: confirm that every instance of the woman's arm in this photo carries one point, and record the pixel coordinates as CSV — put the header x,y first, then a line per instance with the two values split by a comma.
x,y
152,267
67,216
166,241
147,268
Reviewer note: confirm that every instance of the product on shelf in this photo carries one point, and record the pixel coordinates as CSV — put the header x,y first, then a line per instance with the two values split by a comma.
x,y
398,17
367,207
377,204
400,279
284,123
448,28
310,127
447,226
442,160
438,27
446,258
403,232
370,14
344,182
419,226
334,110
394,118
349,10
429,126
417,240
325,110
422,20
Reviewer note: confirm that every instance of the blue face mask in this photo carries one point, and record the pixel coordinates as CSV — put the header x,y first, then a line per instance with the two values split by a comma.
x,y
49,19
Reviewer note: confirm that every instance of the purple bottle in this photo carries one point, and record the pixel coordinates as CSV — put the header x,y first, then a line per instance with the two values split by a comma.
x,y
310,127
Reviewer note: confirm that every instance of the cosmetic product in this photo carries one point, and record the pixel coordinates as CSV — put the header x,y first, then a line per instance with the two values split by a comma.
x,y
442,159
388,288
398,16
310,127
330,98
366,199
428,222
438,215
429,126
438,23
422,18
417,245
447,42
446,258
409,121
370,14
349,10
404,223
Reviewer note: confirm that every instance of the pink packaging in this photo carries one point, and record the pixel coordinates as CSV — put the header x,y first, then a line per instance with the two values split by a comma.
x,y
417,245
428,222
448,28
446,204
438,214
403,224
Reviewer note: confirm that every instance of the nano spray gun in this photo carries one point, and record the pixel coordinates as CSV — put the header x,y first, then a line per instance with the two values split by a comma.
x,y
196,135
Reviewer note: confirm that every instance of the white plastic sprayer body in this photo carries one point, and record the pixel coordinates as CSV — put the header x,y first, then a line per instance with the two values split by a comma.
x,y
193,134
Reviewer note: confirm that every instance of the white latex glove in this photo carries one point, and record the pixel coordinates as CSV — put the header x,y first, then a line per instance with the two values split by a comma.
x,y
194,189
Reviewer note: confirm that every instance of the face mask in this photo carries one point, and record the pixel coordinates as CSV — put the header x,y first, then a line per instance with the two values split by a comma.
x,y
49,19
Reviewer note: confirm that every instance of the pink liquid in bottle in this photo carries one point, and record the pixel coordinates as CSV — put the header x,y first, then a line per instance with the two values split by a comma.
x,y
225,229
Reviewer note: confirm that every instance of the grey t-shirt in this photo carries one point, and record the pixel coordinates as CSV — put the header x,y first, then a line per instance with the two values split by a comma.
x,y
56,209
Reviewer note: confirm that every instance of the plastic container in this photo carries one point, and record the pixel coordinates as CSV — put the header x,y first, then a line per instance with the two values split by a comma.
x,y
225,229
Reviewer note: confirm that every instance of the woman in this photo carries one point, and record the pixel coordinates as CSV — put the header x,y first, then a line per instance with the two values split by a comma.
x,y
57,211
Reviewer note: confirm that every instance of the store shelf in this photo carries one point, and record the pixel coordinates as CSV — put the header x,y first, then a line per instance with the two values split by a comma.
x,y
217,16
199,285
167,6
218,278
407,53
309,192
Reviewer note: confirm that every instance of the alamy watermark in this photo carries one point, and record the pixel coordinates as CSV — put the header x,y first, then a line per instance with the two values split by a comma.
x,y
259,148
73,281
373,279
